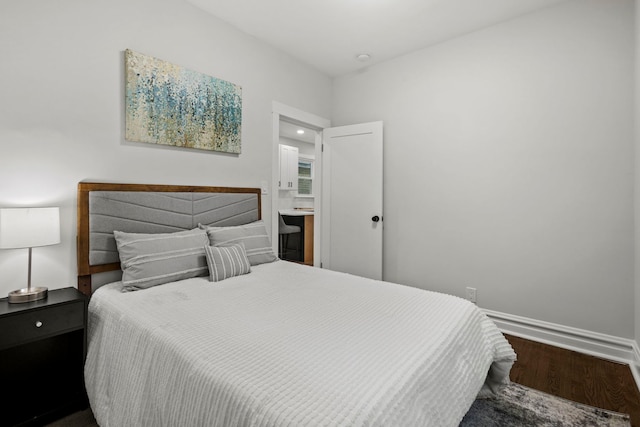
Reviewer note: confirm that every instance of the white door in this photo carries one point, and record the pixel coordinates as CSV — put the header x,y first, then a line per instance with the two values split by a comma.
x,y
352,199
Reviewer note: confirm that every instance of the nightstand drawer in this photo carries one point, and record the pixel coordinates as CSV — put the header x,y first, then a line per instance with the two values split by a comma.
x,y
39,323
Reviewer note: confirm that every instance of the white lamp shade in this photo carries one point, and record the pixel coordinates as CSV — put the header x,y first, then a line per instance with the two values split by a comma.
x,y
29,227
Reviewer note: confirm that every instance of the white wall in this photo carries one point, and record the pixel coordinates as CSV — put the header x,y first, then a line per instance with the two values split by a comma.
x,y
62,114
509,160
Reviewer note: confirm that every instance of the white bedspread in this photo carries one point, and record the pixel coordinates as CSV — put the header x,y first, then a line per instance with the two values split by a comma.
x,y
287,345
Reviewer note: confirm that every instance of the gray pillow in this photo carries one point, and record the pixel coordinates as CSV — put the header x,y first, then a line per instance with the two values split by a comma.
x,y
153,259
253,235
227,261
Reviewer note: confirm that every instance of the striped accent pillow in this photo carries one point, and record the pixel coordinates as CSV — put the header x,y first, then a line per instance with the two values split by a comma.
x,y
227,261
253,235
153,259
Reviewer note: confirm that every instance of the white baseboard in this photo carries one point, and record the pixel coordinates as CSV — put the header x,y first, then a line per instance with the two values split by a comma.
x,y
593,343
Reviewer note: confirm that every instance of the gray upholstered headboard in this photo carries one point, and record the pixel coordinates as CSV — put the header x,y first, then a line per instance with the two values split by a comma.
x,y
138,208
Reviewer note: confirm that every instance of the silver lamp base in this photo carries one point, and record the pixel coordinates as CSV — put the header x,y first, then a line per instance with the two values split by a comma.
x,y
27,295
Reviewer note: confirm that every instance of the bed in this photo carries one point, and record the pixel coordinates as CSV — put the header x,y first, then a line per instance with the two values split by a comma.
x,y
245,339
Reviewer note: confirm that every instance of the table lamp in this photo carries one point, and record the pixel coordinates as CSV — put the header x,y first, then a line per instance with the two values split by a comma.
x,y
29,228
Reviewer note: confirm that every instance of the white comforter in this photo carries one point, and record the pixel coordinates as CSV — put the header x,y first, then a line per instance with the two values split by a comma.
x,y
288,345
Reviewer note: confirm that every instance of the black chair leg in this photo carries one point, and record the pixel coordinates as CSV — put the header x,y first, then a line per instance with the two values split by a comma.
x,y
284,244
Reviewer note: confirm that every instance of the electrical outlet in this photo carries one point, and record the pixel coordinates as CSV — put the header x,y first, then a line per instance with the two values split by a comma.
x,y
471,294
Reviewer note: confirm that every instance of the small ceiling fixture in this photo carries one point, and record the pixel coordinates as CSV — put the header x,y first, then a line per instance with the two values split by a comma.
x,y
363,57
300,131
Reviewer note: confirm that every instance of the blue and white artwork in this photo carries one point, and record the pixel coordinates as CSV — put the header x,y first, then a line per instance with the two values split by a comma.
x,y
170,105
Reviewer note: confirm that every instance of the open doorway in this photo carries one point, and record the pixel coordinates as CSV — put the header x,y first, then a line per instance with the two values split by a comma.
x,y
299,194
297,147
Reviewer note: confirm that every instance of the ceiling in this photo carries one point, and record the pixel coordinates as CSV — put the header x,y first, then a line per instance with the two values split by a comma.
x,y
330,34
290,130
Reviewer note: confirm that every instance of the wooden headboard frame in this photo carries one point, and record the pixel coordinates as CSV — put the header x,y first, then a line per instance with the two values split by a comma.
x,y
85,270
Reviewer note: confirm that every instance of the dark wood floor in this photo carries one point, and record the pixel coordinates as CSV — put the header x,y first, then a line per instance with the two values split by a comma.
x,y
576,376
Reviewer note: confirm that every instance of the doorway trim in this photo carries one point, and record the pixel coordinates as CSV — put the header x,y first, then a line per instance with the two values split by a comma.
x,y
282,111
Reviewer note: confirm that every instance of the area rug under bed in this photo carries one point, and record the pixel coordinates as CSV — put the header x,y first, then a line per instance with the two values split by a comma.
x,y
522,407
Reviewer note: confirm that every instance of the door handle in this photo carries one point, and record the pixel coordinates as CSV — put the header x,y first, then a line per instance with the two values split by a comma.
x,y
375,218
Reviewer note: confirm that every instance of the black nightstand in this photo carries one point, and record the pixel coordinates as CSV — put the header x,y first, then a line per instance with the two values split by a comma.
x,y
42,353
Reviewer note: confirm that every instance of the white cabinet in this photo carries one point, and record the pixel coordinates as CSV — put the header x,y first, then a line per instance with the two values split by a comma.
x,y
288,167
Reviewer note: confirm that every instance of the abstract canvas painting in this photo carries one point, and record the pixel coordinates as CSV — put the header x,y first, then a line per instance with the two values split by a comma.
x,y
170,105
